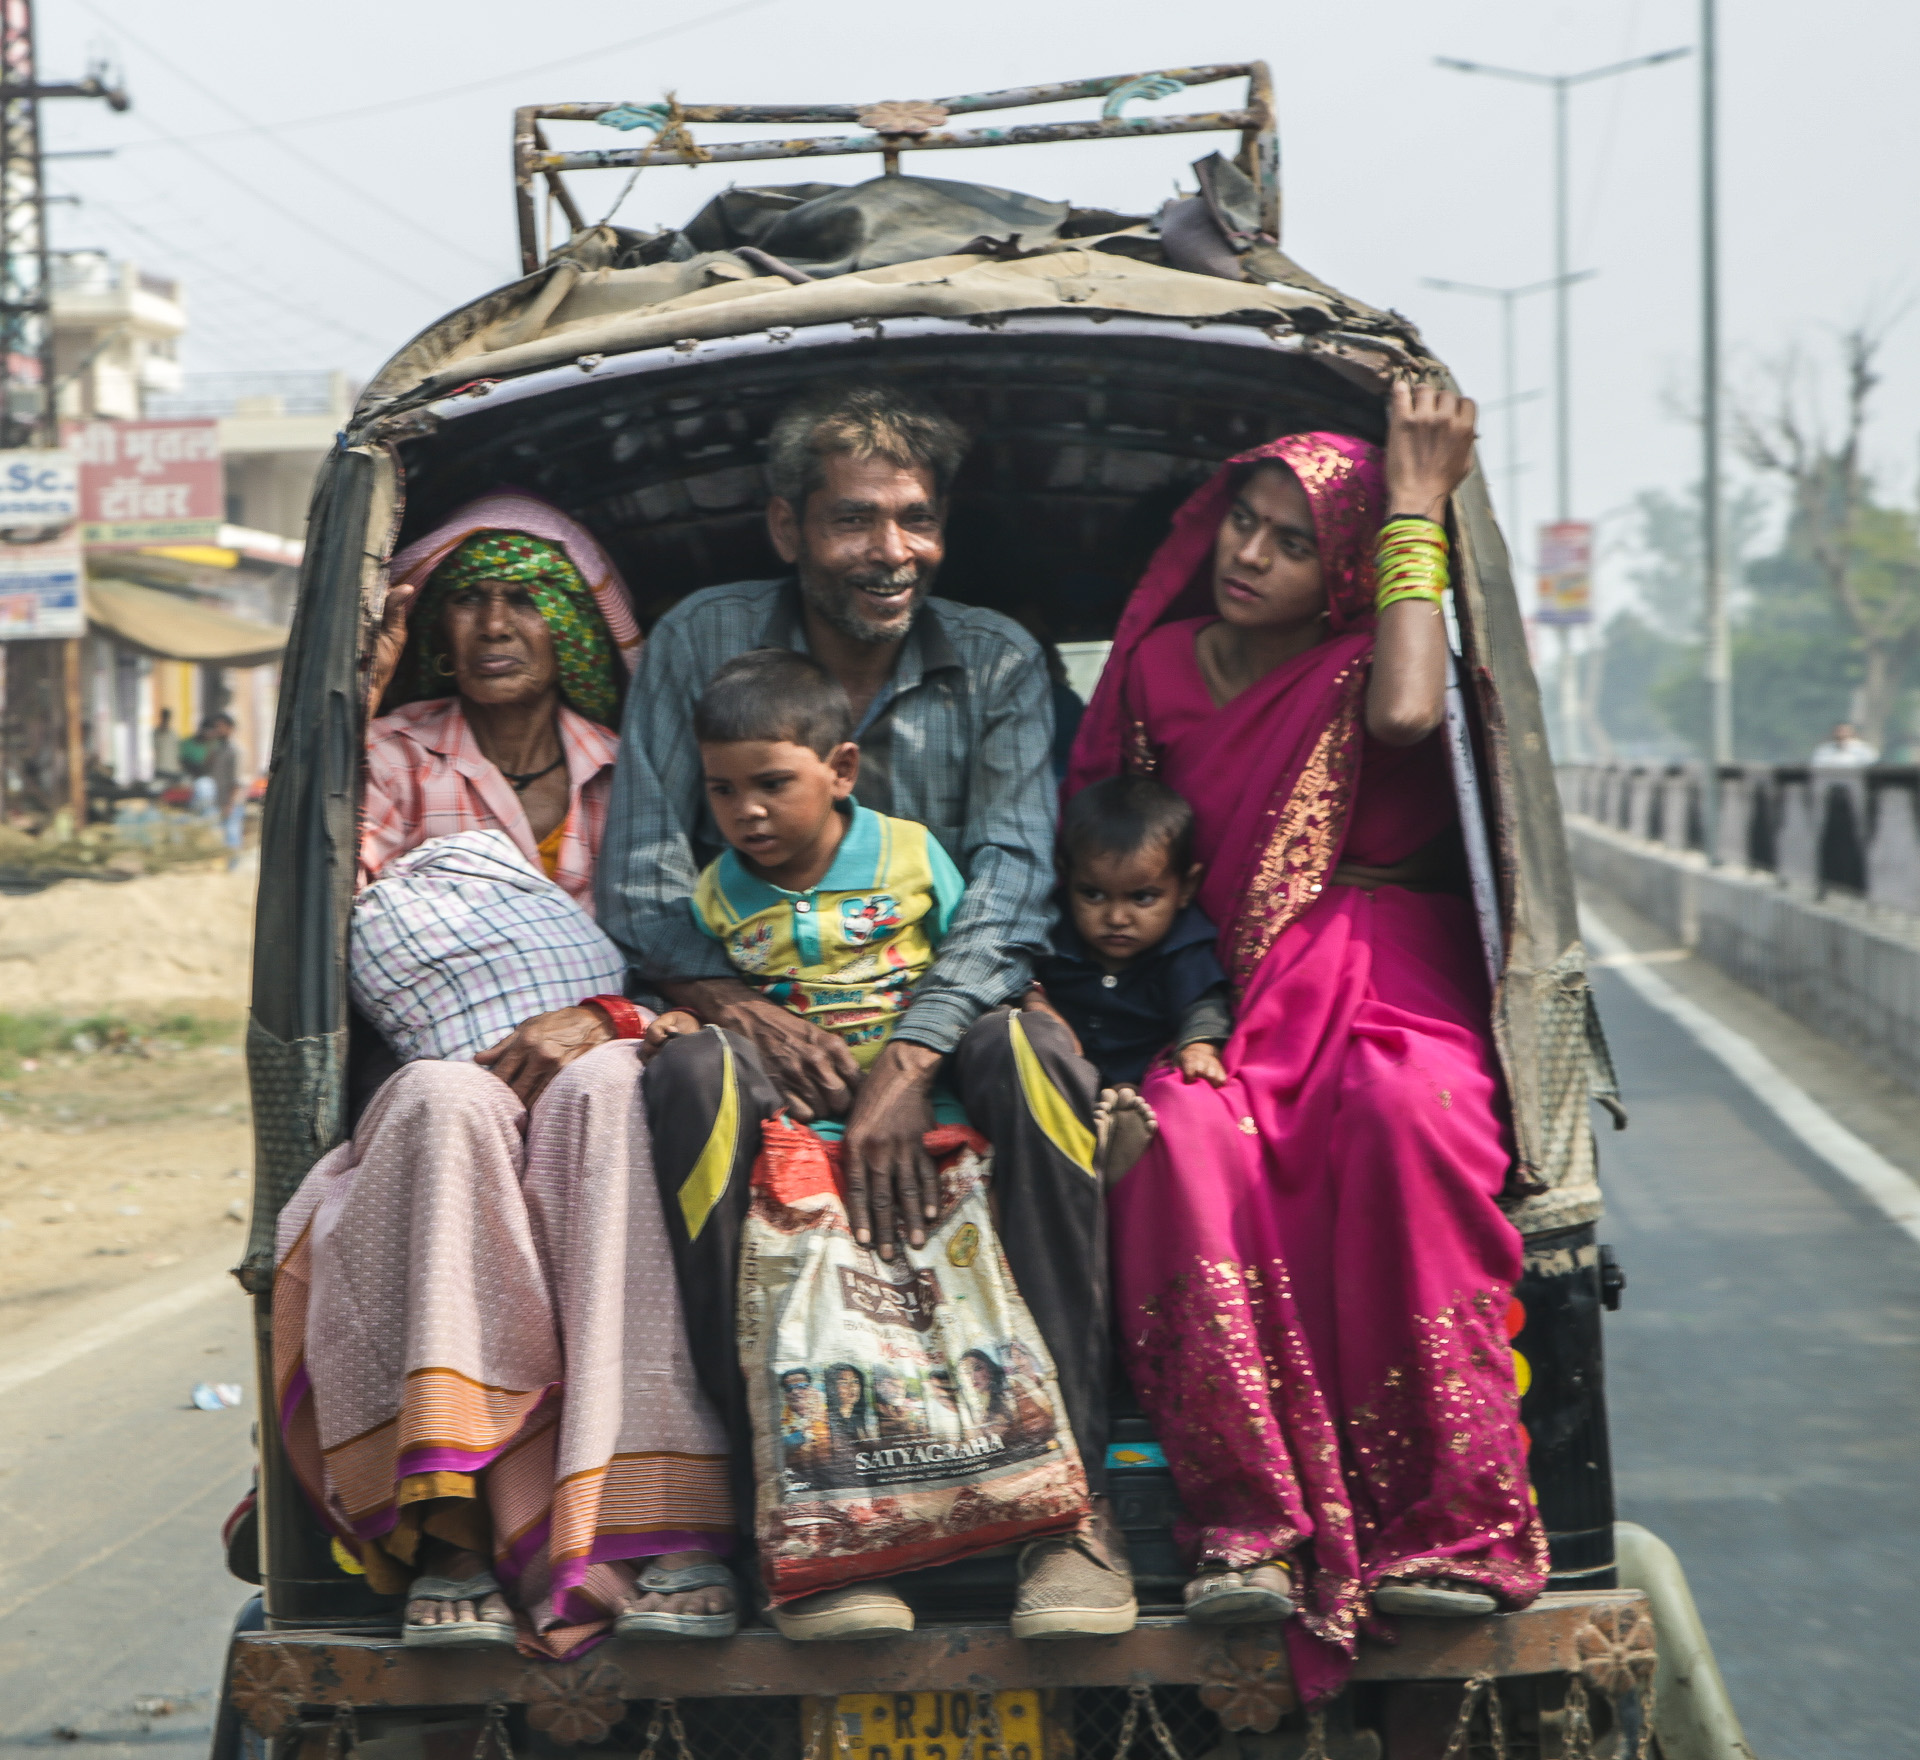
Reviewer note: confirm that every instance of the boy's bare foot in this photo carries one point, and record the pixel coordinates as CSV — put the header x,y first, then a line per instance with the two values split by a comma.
x,y
1123,1126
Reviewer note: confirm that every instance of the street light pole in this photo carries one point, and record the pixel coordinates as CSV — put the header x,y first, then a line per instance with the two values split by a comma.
x,y
1562,318
1512,396
1719,637
1561,84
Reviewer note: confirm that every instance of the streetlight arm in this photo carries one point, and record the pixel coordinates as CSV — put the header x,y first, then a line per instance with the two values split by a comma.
x,y
1434,281
1560,79
1532,79
1639,61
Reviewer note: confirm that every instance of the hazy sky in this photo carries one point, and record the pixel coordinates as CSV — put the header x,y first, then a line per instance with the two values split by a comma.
x,y
310,238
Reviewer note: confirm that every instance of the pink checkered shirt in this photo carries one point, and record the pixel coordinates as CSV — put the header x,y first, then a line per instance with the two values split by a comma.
x,y
427,777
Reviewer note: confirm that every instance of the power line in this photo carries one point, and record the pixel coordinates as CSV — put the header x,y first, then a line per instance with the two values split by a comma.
x,y
279,206
224,282
225,272
317,165
415,100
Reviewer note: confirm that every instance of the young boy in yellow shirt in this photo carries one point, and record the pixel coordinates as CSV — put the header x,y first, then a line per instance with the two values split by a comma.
x,y
832,910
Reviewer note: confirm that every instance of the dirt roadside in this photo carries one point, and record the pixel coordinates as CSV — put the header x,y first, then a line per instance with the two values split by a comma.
x,y
126,1142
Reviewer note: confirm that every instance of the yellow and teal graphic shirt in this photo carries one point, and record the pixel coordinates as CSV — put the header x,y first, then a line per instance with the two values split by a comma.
x,y
847,954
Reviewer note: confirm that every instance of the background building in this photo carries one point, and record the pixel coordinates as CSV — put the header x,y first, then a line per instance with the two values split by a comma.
x,y
193,628
116,336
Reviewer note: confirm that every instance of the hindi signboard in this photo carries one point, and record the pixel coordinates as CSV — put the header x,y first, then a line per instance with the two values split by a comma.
x,y
1566,573
144,484
40,572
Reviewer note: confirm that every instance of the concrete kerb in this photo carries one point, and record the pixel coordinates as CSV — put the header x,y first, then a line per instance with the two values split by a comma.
x,y
1848,970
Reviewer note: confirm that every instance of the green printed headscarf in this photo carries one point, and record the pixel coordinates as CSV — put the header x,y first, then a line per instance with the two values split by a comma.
x,y
581,644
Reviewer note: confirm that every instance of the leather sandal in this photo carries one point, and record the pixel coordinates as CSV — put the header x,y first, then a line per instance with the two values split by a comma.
x,y
456,1634
657,1623
1222,1597
1434,1598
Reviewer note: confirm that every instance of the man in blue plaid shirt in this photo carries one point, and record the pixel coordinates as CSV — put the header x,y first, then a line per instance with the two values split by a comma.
x,y
954,721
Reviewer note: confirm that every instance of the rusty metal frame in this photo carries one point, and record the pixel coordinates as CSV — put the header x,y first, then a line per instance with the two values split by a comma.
x,y
1258,157
278,1677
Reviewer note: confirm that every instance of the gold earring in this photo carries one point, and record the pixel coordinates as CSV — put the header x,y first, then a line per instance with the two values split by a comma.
x,y
442,666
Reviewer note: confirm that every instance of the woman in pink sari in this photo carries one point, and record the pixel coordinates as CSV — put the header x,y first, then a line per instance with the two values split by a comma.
x,y
1312,1269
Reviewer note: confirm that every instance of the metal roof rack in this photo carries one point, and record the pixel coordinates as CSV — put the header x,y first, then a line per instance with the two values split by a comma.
x,y
894,127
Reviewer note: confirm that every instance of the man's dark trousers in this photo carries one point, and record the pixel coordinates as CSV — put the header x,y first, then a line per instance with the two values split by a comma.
x,y
1024,1088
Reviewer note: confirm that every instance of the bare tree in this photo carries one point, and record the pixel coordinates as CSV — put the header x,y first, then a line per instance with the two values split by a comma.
x,y
1867,566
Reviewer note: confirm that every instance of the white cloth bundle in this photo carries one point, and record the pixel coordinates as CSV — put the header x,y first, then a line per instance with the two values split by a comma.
x,y
459,941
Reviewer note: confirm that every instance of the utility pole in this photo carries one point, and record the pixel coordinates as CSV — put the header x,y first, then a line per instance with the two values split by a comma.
x,y
1512,397
28,415
1712,527
1561,84
26,327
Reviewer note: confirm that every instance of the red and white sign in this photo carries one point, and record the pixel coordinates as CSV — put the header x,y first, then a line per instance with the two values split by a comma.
x,y
149,483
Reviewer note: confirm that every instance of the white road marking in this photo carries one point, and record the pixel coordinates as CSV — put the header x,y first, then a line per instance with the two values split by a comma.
x,y
1855,1160
9,1608
1653,956
106,1332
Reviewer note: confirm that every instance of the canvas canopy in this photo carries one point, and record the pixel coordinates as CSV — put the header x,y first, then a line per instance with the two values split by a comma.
x,y
174,628
892,247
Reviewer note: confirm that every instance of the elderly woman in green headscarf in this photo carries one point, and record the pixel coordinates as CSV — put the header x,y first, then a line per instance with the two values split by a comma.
x,y
523,639
482,1374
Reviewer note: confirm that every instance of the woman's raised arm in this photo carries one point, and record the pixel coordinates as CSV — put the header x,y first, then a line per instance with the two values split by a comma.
x,y
1429,452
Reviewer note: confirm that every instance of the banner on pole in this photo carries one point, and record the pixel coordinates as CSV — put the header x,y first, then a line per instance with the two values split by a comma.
x,y
144,484
1566,573
40,596
39,493
40,570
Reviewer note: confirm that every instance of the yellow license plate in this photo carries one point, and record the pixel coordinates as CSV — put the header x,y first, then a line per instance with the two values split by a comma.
x,y
934,1726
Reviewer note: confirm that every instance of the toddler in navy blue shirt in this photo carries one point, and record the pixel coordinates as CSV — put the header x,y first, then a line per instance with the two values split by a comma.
x,y
1133,969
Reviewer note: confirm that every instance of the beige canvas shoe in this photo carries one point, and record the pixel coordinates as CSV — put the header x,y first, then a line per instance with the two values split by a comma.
x,y
859,1611
1076,1585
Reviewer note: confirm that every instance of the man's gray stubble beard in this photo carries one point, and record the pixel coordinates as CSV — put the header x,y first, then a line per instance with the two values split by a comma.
x,y
833,604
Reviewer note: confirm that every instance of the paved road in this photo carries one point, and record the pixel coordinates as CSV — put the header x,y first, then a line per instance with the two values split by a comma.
x,y
1765,1379
112,1492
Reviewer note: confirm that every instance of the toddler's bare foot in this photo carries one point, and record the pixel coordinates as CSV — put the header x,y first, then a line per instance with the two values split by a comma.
x,y
1123,1126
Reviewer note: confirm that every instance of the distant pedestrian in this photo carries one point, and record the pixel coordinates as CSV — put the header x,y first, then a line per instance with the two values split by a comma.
x,y
1844,749
223,772
193,766
166,748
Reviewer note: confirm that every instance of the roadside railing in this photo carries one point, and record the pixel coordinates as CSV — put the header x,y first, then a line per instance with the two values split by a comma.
x,y
1854,832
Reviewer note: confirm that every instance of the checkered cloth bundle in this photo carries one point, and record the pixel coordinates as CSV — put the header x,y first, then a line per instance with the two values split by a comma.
x,y
459,941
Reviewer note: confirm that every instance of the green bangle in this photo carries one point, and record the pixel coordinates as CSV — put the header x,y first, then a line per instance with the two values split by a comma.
x,y
1433,595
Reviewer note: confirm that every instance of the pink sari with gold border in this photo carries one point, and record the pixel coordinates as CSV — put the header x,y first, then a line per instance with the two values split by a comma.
x,y
1311,1266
